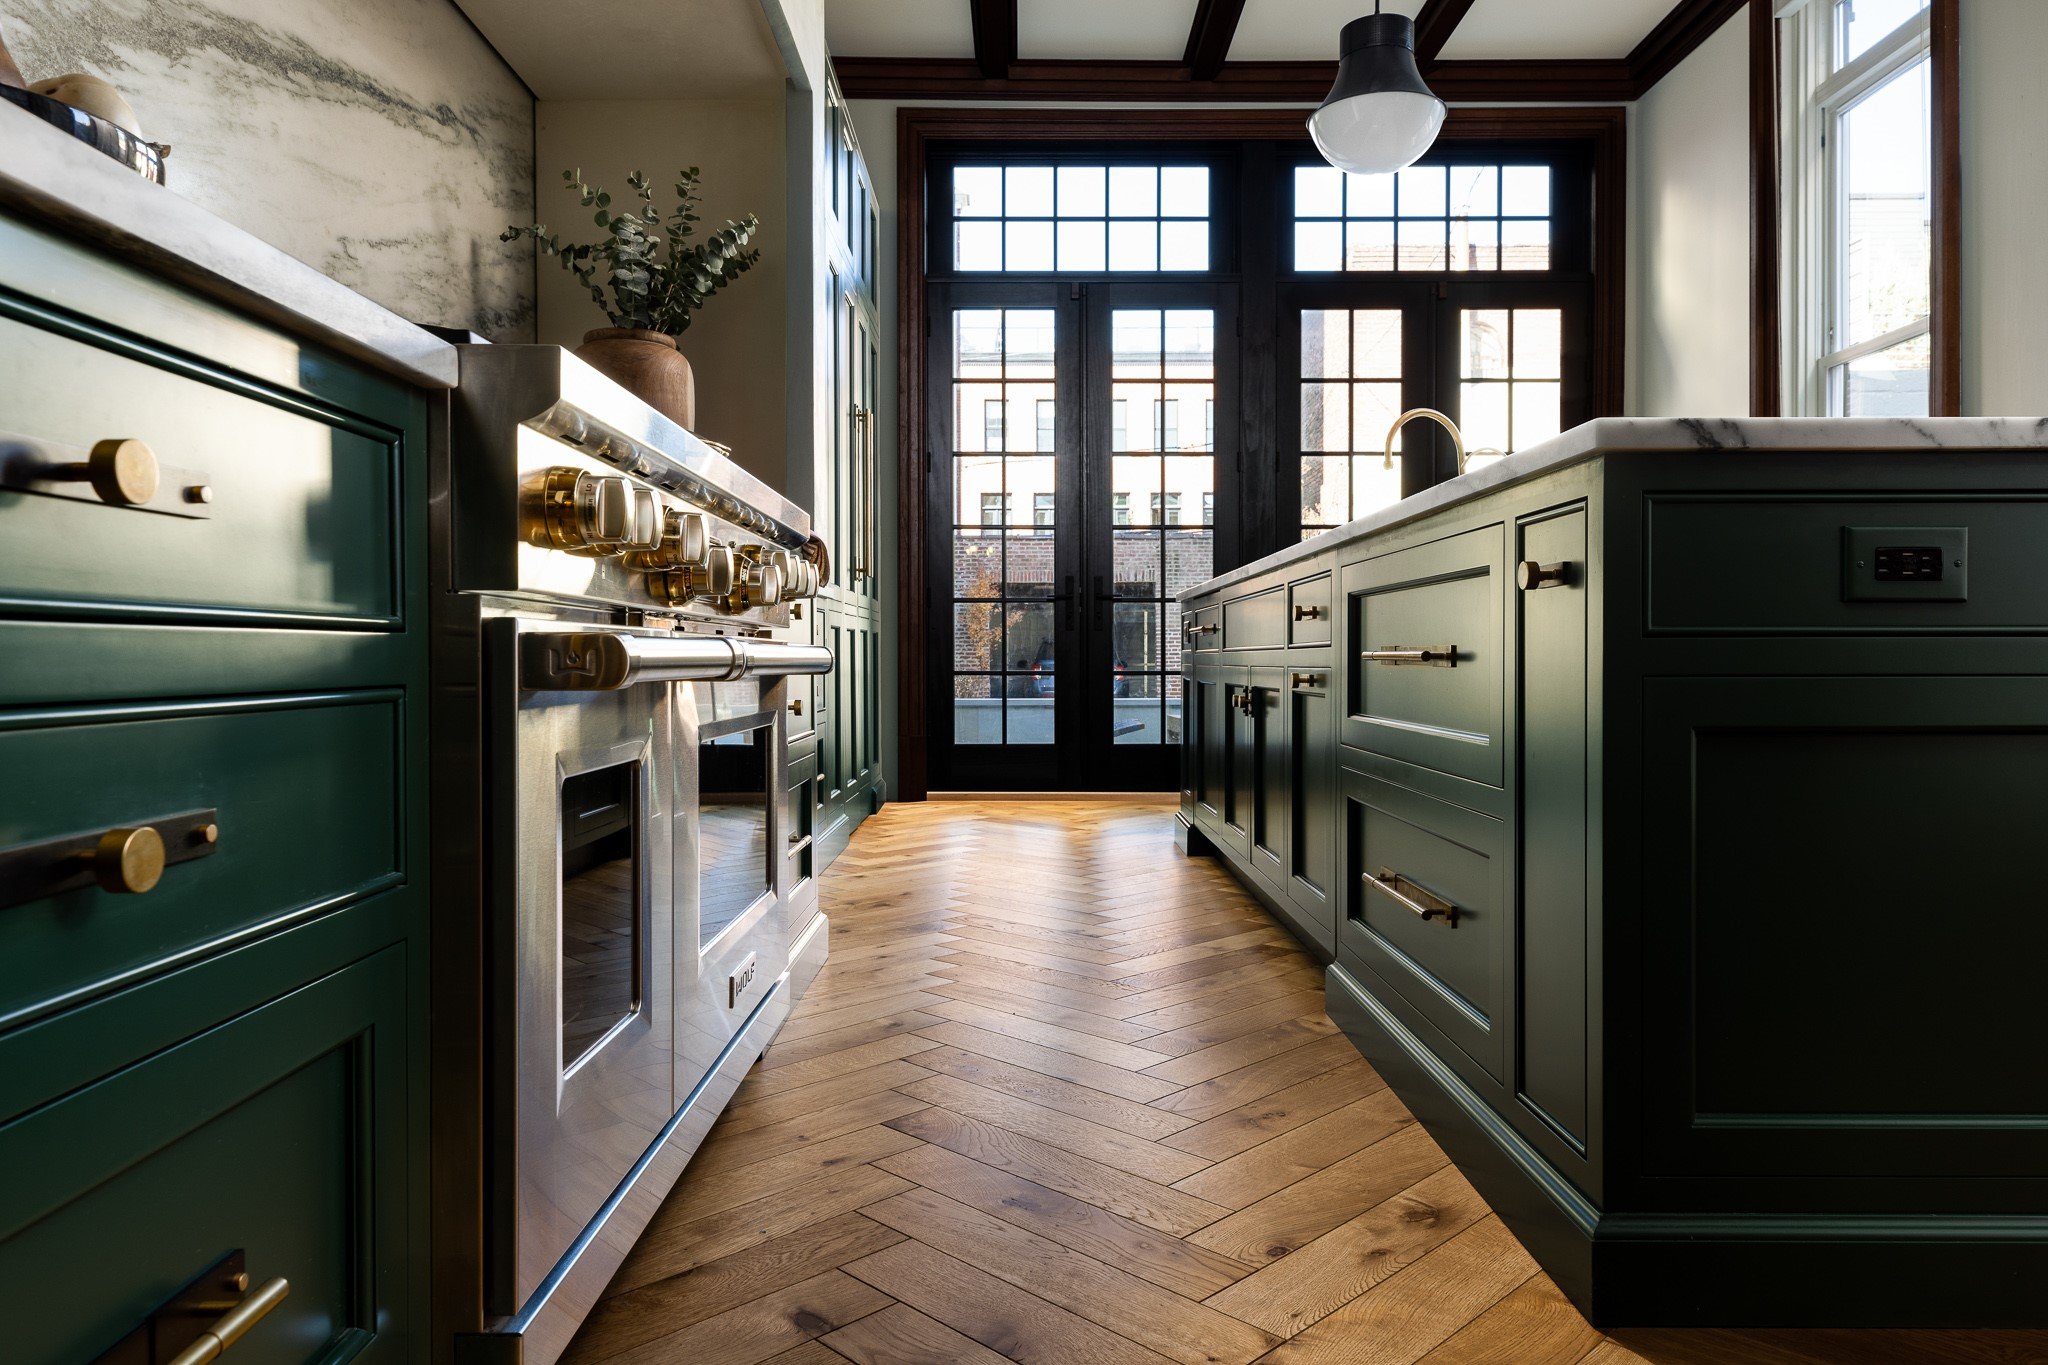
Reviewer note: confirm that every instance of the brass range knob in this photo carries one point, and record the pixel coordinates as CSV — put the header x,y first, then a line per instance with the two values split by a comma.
x,y
711,581
123,472
592,514
129,861
760,585
684,542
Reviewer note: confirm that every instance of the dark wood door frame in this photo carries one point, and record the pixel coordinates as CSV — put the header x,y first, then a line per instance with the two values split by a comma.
x,y
1602,127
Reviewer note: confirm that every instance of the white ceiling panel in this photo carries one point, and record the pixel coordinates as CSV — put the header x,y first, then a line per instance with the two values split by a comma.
x,y
1555,28
1113,30
627,49
1302,30
900,28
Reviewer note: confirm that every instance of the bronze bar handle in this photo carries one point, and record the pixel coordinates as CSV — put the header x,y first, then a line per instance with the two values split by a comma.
x,y
1390,884
1307,613
232,1325
1209,629
1305,679
1529,575
1435,656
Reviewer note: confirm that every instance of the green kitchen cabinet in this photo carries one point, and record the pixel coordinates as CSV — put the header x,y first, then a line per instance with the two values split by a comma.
x,y
212,639
1684,803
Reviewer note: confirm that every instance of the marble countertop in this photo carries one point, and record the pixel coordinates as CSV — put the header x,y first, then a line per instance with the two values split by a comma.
x,y
1607,435
47,176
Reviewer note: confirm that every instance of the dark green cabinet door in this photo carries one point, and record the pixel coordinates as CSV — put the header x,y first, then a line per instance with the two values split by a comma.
x,y
1554,1039
1263,732
1312,799
281,1133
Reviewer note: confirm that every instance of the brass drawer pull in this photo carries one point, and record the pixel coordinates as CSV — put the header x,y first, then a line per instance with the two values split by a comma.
x,y
118,472
1432,656
125,860
1409,896
796,706
1311,613
230,1326
1305,679
1529,575
1203,630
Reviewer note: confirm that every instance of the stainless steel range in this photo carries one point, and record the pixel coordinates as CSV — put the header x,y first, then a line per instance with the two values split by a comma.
x,y
619,923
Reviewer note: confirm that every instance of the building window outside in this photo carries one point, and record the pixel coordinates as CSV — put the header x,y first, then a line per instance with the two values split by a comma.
x,y
1120,509
1045,437
1858,154
1041,510
992,423
1208,509
991,509
1166,509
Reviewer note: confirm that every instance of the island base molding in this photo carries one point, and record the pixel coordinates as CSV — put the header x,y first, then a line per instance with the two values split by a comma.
x,y
1707,1269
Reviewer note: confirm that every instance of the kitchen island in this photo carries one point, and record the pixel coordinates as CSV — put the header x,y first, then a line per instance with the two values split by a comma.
x,y
1663,799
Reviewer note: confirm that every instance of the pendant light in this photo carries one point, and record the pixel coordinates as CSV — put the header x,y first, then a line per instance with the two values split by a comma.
x,y
1379,116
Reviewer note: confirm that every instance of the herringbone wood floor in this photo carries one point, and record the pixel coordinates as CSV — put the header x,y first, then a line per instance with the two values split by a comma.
x,y
1062,1095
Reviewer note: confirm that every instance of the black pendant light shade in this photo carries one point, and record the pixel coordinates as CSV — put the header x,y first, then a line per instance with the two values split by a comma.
x,y
1380,115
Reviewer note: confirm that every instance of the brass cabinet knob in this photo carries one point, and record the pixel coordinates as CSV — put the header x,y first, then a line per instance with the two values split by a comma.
x,y
1529,575
129,860
122,472
1306,613
796,706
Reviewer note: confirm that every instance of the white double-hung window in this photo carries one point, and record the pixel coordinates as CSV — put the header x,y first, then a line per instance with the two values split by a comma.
x,y
1858,139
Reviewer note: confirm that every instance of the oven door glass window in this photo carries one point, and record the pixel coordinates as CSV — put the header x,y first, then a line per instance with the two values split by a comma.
x,y
735,735
603,952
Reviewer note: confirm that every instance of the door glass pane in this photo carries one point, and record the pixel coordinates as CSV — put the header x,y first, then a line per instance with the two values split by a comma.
x,y
601,906
1162,503
1350,397
1509,394
1005,519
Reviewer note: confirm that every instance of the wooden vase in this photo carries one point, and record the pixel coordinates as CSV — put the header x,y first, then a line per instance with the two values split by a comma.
x,y
648,366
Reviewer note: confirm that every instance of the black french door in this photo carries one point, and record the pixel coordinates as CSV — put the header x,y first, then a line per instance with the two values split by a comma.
x,y
1081,436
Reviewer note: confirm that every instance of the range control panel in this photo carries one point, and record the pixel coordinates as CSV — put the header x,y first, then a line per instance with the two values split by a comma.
x,y
1905,563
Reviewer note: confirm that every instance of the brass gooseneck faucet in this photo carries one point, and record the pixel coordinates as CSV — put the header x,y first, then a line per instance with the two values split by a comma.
x,y
1457,437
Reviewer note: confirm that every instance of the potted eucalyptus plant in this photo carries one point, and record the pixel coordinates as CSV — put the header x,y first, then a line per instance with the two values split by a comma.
x,y
650,279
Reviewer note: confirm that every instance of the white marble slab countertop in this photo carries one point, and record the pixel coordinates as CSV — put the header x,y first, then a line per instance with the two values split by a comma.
x,y
60,181
1607,435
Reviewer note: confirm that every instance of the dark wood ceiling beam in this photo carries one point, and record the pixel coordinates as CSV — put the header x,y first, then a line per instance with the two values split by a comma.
x,y
1675,37
1434,24
921,78
1210,35
995,37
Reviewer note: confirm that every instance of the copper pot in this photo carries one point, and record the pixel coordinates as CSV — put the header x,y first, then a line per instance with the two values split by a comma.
x,y
647,365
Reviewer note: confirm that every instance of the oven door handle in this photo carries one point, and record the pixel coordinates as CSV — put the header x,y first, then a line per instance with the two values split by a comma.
x,y
600,661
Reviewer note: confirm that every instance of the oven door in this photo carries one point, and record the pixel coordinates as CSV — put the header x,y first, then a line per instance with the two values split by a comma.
x,y
588,841
729,867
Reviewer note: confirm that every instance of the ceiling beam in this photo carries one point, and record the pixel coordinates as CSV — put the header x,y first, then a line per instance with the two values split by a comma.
x,y
960,78
1209,37
1434,24
1688,25
995,37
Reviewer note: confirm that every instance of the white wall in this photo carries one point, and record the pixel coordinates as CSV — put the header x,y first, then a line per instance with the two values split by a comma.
x,y
1688,252
380,141
736,345
2005,207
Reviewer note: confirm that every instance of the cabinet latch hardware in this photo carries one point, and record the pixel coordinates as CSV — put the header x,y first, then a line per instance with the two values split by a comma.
x,y
1432,656
1305,679
1307,613
1409,896
1529,575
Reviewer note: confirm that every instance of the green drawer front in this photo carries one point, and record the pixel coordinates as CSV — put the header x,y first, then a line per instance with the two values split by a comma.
x,y
307,790
1452,975
1308,611
1444,594
1256,622
279,1134
302,524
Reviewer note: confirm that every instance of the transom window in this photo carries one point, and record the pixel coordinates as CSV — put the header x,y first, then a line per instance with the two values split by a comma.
x,y
1088,219
1434,218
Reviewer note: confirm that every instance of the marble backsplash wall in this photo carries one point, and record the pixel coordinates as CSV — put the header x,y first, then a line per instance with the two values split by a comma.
x,y
380,141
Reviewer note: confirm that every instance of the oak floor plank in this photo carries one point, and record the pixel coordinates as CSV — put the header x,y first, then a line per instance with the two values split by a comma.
x,y
1144,1201
1188,1270
723,1151
1046,1011
1299,1290
900,1335
1292,1218
1224,1028
1129,1056
1535,1325
1021,1326
1098,1142
1026,971
631,1318
1052,1061
767,1326
1175,1327
835,1041
1096,1106
760,1084
1300,1152
1207,1063
1207,1099
708,1191
744,1115
857,1011
1266,1118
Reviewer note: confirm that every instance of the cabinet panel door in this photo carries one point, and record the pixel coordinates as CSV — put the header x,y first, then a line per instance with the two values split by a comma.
x,y
1449,971
280,1134
1312,803
1553,1039
1442,596
1264,734
1844,930
1240,762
